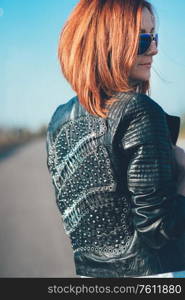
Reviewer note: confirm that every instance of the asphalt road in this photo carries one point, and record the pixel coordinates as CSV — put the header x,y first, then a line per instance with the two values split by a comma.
x,y
32,240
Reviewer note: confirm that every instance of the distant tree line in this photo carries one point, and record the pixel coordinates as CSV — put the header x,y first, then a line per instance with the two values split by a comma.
x,y
10,137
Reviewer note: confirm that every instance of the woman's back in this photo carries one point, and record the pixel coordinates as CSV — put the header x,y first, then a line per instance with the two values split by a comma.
x,y
88,161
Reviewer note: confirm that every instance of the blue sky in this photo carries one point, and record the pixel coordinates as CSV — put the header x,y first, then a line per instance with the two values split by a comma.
x,y
31,83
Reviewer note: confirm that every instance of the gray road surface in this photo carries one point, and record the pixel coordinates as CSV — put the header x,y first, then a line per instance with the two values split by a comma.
x,y
32,239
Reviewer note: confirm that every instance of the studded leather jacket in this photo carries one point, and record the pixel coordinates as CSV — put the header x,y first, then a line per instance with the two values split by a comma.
x,y
115,186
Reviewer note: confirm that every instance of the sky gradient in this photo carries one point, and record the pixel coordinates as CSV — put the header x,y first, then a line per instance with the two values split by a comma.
x,y
31,83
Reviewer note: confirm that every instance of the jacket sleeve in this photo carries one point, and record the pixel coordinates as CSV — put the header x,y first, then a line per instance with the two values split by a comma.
x,y
158,211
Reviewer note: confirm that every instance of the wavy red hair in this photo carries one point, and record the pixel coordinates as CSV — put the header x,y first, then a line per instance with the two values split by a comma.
x,y
97,48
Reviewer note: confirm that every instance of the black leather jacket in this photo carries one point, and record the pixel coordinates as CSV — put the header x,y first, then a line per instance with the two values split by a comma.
x,y
115,186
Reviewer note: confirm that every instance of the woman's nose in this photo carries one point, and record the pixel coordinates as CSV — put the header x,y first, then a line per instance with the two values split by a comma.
x,y
152,50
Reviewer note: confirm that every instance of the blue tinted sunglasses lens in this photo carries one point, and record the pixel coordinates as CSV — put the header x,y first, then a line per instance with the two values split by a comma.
x,y
145,41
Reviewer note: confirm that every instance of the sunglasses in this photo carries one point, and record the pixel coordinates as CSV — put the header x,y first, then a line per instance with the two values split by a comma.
x,y
145,40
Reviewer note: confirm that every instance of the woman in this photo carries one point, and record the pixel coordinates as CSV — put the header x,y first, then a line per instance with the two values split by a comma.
x,y
110,149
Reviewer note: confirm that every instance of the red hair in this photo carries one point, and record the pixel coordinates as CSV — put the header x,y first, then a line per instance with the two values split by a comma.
x,y
97,48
